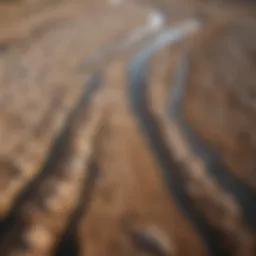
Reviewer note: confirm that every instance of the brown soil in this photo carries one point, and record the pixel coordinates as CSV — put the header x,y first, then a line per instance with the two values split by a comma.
x,y
77,175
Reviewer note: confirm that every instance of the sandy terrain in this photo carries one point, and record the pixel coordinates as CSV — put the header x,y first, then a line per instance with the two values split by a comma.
x,y
90,161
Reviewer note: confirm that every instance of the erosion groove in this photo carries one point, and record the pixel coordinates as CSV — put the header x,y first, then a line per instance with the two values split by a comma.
x,y
57,154
68,242
137,93
244,195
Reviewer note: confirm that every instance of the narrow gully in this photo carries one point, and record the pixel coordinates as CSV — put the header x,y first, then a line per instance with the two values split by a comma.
x,y
68,244
56,154
243,194
137,96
